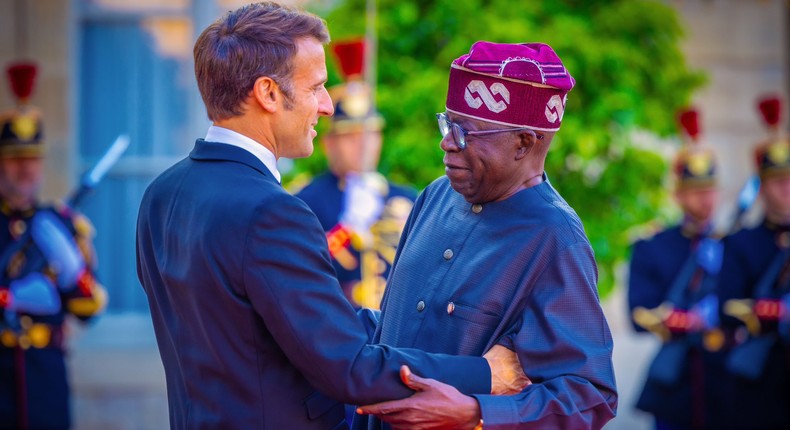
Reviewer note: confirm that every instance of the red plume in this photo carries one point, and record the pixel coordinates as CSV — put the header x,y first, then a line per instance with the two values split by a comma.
x,y
22,76
688,120
771,109
351,57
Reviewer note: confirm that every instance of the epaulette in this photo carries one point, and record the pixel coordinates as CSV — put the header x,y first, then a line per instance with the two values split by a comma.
x,y
83,226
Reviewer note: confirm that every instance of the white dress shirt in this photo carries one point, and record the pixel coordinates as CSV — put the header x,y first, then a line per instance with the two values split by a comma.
x,y
230,137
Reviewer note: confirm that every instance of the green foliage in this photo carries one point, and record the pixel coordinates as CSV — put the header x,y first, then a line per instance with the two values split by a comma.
x,y
630,75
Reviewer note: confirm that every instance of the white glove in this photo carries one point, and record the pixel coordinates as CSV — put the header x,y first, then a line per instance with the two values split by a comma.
x,y
34,294
363,202
59,249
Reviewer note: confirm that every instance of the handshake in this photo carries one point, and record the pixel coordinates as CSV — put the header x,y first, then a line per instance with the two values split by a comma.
x,y
438,405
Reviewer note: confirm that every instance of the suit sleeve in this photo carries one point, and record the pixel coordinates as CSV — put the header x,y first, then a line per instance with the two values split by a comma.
x,y
643,288
565,347
370,319
289,280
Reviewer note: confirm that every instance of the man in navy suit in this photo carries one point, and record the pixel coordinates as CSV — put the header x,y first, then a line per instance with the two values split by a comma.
x,y
252,325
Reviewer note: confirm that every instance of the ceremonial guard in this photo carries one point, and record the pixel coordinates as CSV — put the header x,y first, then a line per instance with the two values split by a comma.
x,y
47,263
755,289
361,211
671,292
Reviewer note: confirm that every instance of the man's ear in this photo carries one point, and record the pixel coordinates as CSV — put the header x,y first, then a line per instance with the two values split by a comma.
x,y
267,93
526,141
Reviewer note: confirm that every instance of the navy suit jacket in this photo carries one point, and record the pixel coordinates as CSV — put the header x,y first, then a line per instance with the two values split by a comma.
x,y
251,323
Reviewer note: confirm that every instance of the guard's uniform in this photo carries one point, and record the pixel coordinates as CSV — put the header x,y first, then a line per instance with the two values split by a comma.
x,y
363,253
671,289
46,273
325,196
32,367
696,398
762,403
755,290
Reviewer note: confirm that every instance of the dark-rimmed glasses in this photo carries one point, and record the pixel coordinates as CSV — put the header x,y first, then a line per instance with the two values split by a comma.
x,y
459,133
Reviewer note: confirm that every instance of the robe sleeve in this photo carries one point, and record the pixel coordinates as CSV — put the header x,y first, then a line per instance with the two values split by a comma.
x,y
564,344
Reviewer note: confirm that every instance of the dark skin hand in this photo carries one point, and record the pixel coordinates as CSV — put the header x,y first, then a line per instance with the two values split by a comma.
x,y
433,406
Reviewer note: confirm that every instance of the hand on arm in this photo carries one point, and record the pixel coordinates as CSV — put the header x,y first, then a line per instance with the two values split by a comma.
x,y
434,406
440,406
568,357
507,375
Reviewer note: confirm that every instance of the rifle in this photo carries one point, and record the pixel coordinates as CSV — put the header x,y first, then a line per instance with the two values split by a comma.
x,y
746,198
94,175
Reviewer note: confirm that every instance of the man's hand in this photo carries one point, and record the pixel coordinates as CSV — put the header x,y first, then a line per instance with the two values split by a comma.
x,y
507,375
434,406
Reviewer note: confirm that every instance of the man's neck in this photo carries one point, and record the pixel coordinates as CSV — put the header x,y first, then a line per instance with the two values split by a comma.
x,y
252,129
17,204
777,218
694,227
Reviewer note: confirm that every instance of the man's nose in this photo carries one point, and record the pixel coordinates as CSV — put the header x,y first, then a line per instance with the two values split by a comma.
x,y
448,144
325,106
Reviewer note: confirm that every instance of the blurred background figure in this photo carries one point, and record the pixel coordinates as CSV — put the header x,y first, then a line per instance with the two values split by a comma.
x,y
671,292
47,263
361,211
755,288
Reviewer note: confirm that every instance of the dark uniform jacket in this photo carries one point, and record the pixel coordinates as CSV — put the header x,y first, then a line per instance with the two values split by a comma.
x,y
325,196
702,393
34,389
764,403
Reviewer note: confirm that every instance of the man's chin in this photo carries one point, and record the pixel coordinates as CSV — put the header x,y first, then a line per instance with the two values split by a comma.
x,y
464,192
302,152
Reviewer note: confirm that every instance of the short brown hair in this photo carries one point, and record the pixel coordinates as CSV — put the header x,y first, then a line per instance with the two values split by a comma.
x,y
255,40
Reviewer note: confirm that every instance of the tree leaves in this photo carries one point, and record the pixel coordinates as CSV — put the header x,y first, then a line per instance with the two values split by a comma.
x,y
631,77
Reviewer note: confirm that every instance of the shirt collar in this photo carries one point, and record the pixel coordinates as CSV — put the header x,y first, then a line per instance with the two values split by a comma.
x,y
230,137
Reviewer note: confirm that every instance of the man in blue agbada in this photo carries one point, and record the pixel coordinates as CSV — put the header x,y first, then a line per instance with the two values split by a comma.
x,y
492,254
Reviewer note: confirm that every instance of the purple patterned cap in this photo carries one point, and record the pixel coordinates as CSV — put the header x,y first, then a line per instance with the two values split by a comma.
x,y
518,85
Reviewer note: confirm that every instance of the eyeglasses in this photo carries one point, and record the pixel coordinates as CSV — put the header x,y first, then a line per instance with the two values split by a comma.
x,y
459,133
